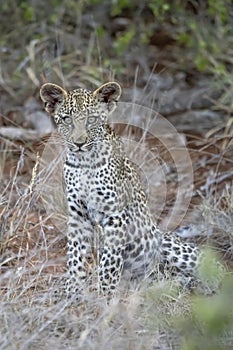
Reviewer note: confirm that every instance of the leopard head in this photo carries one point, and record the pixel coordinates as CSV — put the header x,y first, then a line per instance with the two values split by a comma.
x,y
80,114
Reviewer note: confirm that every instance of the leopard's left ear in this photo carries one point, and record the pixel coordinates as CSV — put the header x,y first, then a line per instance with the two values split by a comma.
x,y
108,93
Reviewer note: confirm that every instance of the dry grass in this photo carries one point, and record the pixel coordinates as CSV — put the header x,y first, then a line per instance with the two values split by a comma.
x,y
33,268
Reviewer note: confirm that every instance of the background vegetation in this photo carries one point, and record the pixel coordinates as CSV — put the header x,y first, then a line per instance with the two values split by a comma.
x,y
175,57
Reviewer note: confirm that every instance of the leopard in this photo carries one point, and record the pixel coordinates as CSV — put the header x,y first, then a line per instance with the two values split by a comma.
x,y
111,233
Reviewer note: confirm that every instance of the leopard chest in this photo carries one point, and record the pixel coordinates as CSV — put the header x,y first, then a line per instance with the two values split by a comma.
x,y
95,182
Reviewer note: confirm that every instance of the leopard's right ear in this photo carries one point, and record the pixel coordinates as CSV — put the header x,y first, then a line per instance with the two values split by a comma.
x,y
52,95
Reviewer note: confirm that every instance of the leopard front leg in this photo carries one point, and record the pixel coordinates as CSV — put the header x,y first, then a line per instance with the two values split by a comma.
x,y
79,247
110,269
111,254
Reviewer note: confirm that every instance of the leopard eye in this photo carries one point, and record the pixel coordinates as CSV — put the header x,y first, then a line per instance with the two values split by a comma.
x,y
92,119
67,120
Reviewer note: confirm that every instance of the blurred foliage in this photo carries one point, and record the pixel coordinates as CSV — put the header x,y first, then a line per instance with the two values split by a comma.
x,y
201,34
210,323
197,321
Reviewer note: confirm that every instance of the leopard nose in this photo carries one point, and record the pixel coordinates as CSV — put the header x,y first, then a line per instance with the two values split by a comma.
x,y
79,144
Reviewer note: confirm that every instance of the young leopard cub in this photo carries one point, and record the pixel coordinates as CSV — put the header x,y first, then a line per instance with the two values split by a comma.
x,y
110,227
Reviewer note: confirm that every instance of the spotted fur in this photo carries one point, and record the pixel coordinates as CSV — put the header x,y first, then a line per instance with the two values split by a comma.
x,y
110,227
